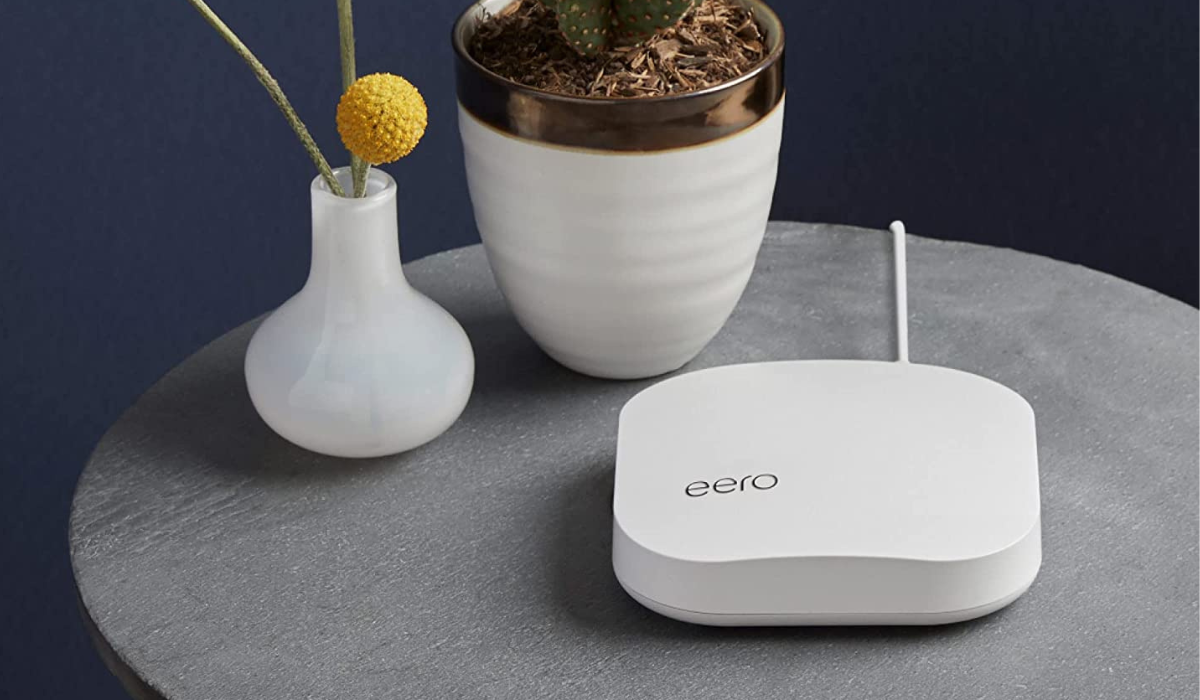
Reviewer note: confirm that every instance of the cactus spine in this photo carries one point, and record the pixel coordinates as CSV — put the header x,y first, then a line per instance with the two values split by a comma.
x,y
590,26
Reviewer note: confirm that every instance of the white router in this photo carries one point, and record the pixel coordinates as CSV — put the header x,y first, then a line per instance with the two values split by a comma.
x,y
827,492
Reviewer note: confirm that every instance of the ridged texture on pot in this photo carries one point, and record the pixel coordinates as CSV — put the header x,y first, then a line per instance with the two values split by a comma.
x,y
622,265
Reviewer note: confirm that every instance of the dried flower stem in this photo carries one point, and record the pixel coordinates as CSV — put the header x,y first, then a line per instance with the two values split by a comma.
x,y
358,166
276,92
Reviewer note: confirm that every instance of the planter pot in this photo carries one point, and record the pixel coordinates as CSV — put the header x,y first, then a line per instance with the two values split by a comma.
x,y
622,232
358,363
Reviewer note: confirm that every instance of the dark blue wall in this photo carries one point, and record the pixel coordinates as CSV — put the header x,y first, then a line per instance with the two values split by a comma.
x,y
153,197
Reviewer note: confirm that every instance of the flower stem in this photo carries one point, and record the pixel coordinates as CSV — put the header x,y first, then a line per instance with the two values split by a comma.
x,y
358,166
276,92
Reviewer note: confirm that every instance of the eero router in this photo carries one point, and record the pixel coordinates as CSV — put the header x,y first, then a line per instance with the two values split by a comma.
x,y
827,492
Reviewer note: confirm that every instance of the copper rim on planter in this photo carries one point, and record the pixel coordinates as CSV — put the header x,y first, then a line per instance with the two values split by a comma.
x,y
619,124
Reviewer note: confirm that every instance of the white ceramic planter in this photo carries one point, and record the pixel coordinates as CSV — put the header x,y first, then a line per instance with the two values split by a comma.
x,y
622,246
358,363
622,265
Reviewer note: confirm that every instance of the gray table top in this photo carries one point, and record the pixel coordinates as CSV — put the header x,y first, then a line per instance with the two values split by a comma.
x,y
216,560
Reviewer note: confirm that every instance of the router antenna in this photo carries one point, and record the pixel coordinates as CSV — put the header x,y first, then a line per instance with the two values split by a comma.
x,y
901,255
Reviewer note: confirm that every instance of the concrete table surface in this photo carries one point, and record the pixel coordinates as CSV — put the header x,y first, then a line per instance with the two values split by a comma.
x,y
215,560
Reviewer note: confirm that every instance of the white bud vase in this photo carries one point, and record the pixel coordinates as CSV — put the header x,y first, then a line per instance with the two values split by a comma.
x,y
358,363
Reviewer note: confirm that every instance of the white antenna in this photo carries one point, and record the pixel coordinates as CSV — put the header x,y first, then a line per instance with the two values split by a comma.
x,y
900,254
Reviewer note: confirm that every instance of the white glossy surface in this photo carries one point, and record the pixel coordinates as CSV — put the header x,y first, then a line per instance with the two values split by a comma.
x,y
358,363
897,492
622,265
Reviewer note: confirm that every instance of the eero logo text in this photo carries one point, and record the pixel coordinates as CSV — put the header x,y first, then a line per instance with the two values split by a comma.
x,y
761,482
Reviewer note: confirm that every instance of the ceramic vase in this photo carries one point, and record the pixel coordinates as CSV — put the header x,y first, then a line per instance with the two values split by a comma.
x,y
358,363
622,232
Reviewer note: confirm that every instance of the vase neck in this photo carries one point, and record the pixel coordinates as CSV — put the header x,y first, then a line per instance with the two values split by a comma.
x,y
355,240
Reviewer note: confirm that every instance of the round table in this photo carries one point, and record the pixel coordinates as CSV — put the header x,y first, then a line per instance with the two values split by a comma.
x,y
215,560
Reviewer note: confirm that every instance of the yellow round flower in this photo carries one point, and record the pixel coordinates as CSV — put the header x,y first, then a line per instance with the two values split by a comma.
x,y
381,118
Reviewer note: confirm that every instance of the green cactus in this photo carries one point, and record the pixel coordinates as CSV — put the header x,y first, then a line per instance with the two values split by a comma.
x,y
638,20
586,24
590,26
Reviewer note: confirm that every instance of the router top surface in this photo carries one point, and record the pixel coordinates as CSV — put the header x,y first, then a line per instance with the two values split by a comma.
x,y
877,459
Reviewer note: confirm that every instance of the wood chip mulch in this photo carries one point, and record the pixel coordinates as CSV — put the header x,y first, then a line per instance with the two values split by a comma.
x,y
714,42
